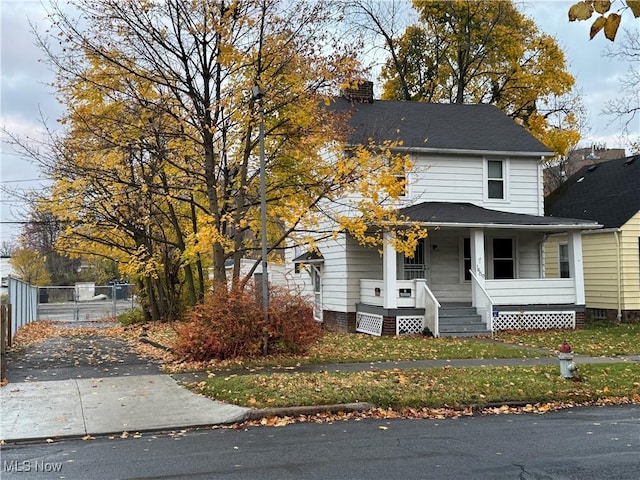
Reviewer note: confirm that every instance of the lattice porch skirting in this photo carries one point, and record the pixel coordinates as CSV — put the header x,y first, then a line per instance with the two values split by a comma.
x,y
534,320
370,323
410,325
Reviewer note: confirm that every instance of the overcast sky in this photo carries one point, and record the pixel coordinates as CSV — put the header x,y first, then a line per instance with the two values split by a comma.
x,y
26,97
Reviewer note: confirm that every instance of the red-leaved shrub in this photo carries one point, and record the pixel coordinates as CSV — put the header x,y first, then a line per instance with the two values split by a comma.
x,y
229,323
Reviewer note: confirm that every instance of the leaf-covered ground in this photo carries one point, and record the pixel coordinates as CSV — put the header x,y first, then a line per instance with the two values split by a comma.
x,y
52,350
359,348
59,351
593,340
451,387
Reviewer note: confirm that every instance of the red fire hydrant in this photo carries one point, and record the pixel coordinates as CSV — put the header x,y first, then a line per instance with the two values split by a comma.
x,y
565,357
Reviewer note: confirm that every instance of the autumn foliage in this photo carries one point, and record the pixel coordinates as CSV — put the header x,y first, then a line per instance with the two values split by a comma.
x,y
229,324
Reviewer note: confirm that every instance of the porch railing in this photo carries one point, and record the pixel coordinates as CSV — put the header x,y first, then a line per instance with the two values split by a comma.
x,y
431,311
483,302
372,293
530,291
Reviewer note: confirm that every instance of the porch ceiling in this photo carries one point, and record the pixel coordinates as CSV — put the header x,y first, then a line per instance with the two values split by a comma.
x,y
448,214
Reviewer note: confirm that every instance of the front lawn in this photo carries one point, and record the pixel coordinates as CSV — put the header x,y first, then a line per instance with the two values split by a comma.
x,y
361,348
595,340
438,387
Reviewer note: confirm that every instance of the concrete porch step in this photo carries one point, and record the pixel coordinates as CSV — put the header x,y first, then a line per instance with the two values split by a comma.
x,y
461,321
457,312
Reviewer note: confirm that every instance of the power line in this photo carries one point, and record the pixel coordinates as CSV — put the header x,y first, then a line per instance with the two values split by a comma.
x,y
25,180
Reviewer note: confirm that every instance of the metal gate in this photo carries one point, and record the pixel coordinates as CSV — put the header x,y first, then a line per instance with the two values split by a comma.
x,y
85,301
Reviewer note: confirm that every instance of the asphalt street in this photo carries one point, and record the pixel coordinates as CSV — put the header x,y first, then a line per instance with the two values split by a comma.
x,y
573,444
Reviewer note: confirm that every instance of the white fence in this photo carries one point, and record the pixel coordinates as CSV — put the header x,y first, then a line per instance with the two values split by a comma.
x,y
23,299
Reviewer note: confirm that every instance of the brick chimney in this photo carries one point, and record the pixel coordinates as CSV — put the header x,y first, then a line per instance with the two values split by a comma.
x,y
362,94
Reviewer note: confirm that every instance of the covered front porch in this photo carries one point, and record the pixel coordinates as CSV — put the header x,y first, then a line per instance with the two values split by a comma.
x,y
491,273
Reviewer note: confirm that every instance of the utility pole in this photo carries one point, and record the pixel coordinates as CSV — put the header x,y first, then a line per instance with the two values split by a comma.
x,y
258,95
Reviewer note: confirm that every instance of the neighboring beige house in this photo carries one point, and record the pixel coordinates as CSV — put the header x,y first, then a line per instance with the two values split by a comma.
x,y
608,193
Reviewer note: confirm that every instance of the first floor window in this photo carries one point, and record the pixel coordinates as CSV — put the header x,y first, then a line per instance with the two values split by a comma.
x,y
563,260
503,258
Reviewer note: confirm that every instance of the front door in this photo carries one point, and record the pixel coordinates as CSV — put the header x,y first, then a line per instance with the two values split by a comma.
x,y
416,266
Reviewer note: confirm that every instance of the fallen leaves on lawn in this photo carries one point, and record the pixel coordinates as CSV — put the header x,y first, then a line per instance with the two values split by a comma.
x,y
593,340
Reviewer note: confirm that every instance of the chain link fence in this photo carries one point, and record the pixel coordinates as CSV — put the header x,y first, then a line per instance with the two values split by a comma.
x,y
85,302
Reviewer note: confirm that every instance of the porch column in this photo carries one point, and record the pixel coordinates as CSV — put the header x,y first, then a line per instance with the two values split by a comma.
x,y
389,272
477,261
575,265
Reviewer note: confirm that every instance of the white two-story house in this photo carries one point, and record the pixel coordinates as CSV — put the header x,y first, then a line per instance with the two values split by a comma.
x,y
476,185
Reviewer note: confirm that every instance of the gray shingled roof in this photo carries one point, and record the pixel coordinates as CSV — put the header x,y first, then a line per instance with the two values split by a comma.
x,y
608,192
438,126
309,257
448,213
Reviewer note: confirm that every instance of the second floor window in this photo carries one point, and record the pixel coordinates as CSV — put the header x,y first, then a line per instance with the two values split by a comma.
x,y
495,179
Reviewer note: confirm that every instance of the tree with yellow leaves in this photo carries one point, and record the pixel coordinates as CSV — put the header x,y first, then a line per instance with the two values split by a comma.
x,y
158,167
465,51
30,266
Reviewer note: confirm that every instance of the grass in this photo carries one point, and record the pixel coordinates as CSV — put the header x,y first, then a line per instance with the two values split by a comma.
x,y
413,388
452,387
593,340
361,348
340,348
446,387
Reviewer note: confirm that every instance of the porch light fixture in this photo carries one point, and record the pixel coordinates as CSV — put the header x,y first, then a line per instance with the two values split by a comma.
x,y
258,94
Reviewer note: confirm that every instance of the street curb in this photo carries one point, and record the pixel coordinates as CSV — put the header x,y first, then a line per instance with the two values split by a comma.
x,y
259,413
251,415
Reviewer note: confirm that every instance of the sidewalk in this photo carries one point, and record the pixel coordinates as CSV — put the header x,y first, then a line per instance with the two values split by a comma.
x,y
102,406
73,386
107,390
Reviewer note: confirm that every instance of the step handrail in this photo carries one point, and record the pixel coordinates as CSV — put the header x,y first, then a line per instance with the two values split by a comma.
x,y
484,306
431,312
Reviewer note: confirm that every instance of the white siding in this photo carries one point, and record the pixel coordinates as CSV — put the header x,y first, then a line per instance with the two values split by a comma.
x,y
461,179
523,187
363,263
334,273
282,274
341,278
446,179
